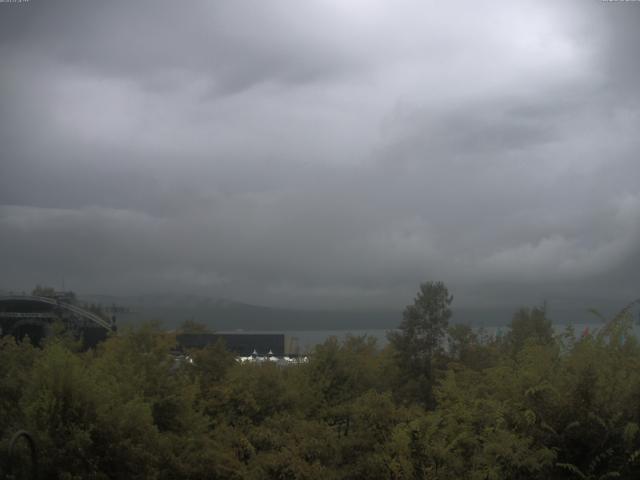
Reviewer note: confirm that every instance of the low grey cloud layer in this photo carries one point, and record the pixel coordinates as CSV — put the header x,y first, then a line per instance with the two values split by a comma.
x,y
322,153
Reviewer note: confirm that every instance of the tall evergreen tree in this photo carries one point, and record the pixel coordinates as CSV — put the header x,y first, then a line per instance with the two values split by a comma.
x,y
421,332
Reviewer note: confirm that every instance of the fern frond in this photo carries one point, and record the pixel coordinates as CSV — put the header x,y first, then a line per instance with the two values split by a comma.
x,y
572,425
616,318
598,419
597,313
599,458
548,428
630,432
572,468
634,457
610,475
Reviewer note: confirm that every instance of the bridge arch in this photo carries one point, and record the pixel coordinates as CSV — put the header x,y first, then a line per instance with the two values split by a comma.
x,y
34,316
51,302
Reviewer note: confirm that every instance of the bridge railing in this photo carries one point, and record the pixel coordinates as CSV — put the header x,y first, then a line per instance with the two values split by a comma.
x,y
67,306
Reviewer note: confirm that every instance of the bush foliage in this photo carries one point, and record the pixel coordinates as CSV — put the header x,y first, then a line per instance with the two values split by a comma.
x,y
527,405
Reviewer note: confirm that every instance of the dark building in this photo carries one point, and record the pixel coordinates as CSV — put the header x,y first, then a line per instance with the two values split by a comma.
x,y
242,344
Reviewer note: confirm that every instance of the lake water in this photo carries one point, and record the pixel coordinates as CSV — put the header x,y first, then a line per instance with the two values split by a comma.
x,y
307,339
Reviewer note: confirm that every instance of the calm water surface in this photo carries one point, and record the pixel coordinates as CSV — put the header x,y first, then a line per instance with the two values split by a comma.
x,y
307,339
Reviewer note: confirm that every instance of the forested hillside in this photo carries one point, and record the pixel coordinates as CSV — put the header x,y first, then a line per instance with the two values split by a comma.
x,y
171,310
527,405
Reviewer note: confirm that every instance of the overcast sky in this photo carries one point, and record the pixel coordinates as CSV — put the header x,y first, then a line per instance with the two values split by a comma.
x,y
322,153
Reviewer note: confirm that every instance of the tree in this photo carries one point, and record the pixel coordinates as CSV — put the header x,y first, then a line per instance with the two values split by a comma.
x,y
43,291
529,326
193,326
419,339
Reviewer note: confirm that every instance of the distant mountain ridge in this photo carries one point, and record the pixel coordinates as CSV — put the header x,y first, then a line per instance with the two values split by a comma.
x,y
225,314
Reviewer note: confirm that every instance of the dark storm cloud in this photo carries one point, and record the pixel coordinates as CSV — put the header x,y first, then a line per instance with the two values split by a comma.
x,y
322,153
235,45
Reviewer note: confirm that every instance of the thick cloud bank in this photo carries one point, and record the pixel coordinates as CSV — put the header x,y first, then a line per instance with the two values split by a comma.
x,y
322,153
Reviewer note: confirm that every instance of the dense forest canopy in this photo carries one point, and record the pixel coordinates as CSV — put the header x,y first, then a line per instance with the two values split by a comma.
x,y
528,404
